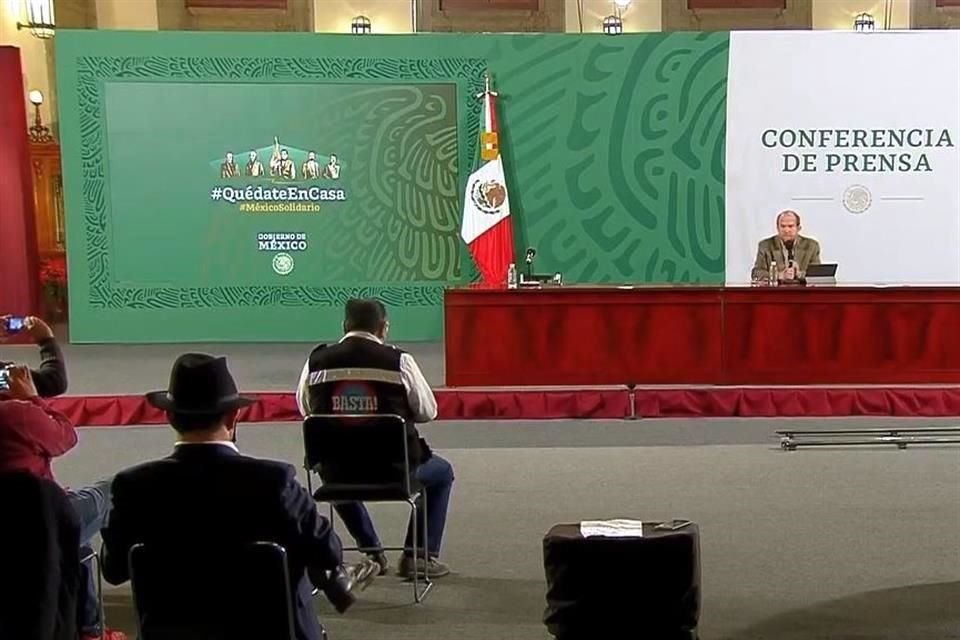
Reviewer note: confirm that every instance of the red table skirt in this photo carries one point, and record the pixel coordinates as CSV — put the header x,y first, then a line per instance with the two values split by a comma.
x,y
702,335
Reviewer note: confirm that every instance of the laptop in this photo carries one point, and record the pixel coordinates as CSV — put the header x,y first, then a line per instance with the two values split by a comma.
x,y
821,274
822,270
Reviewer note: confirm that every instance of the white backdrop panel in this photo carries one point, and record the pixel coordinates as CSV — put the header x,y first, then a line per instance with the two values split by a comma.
x,y
882,226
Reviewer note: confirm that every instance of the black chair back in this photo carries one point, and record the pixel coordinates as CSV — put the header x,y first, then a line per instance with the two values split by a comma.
x,y
40,575
198,593
364,449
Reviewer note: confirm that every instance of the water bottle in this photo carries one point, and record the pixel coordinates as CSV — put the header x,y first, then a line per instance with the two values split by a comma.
x,y
773,274
512,276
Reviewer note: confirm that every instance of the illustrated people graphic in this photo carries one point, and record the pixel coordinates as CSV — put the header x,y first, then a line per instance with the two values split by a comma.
x,y
229,168
311,168
281,166
254,167
331,170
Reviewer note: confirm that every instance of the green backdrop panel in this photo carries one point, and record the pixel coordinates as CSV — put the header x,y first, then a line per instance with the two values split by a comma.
x,y
613,148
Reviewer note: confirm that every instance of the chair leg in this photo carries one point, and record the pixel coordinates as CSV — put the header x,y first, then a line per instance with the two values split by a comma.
x,y
425,543
103,611
94,560
420,543
416,556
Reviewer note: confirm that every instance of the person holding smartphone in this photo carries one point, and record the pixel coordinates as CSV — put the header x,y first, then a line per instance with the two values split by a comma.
x,y
50,378
32,434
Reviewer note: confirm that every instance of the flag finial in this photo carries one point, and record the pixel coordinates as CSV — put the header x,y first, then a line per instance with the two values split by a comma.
x,y
487,91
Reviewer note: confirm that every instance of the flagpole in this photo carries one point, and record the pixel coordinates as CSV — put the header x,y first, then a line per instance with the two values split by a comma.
x,y
486,225
489,142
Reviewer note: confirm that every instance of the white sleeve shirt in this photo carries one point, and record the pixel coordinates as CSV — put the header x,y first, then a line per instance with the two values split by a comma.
x,y
303,390
423,404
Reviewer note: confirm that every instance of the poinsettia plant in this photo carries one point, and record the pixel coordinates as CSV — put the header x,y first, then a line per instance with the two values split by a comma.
x,y
53,276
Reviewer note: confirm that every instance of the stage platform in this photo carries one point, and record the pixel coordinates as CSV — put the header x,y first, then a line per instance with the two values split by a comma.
x,y
107,383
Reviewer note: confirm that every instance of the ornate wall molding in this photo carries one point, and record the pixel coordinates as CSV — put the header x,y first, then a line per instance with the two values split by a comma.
x,y
174,15
547,17
930,14
677,16
76,14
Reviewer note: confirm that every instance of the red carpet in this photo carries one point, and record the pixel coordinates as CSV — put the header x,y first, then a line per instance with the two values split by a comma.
x,y
609,404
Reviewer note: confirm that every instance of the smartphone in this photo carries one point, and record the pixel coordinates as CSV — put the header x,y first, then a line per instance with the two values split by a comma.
x,y
5,379
15,324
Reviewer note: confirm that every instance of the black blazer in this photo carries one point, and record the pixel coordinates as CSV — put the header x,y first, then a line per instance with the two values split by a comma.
x,y
40,574
210,495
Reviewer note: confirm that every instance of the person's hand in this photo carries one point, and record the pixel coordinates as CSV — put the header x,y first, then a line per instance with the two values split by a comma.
x,y
38,329
790,273
21,383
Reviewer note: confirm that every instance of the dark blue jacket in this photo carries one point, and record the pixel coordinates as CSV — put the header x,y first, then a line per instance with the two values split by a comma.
x,y
208,495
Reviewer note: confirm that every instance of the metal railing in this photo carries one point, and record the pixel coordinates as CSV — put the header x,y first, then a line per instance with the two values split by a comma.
x,y
792,439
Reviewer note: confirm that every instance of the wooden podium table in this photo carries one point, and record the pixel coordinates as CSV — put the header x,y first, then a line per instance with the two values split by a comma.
x,y
702,335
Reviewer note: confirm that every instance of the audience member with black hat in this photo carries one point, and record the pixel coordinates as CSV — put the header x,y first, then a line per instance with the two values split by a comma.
x,y
207,490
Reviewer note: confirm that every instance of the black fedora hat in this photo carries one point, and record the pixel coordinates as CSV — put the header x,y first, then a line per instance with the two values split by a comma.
x,y
199,383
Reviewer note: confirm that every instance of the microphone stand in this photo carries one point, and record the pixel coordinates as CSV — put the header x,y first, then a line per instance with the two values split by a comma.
x,y
531,252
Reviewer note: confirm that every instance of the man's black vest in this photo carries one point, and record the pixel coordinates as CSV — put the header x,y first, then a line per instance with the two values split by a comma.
x,y
359,375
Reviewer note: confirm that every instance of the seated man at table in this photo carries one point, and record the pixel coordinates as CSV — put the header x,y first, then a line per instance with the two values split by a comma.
x,y
396,386
791,252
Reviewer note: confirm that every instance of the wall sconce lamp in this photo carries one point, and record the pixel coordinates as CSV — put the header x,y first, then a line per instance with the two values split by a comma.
x,y
864,22
613,25
38,131
361,25
40,19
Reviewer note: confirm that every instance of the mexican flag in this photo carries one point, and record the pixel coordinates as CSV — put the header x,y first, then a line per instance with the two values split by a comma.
x,y
487,228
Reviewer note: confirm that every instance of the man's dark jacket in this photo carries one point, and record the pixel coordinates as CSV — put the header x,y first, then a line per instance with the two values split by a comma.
x,y
208,496
41,566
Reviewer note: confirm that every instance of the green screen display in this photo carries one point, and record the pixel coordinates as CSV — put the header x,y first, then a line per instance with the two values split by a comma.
x,y
325,185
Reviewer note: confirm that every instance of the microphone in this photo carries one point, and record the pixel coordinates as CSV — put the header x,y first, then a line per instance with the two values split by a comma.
x,y
789,245
531,252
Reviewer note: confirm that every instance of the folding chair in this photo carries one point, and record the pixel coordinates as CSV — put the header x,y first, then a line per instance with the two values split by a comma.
x,y
365,458
196,593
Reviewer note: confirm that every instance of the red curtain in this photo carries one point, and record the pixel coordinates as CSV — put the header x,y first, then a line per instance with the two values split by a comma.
x,y
20,291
